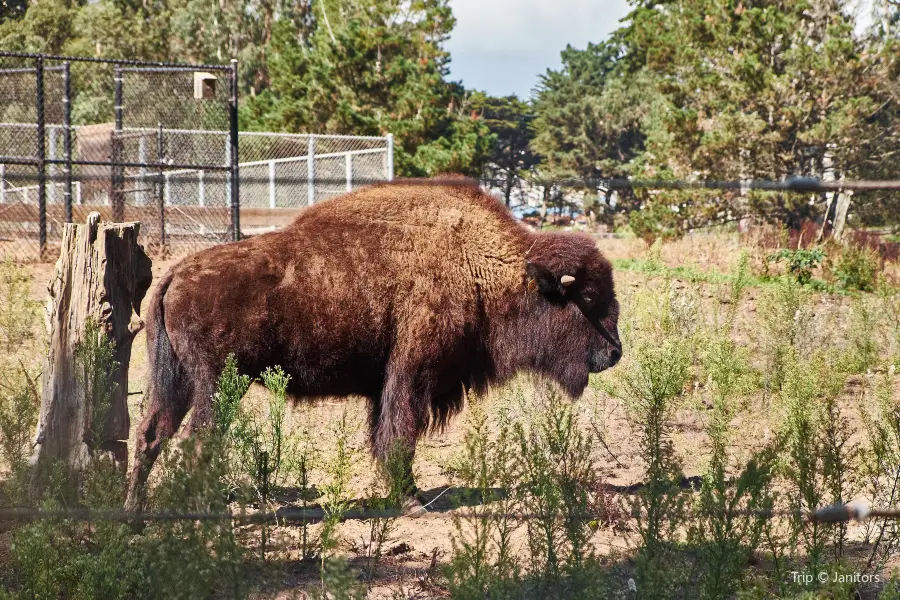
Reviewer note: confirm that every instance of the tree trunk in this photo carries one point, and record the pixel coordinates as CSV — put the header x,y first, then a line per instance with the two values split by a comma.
x,y
840,214
830,197
828,206
101,277
545,200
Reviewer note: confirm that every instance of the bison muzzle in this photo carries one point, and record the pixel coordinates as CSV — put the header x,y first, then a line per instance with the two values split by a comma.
x,y
407,294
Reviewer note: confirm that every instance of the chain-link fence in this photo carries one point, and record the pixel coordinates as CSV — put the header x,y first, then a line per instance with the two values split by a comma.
x,y
281,173
156,143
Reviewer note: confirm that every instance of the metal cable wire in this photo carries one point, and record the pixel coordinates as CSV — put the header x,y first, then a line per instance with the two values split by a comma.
x,y
799,184
839,513
114,61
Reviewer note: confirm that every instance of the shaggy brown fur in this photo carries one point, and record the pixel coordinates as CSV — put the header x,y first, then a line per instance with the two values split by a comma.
x,y
403,294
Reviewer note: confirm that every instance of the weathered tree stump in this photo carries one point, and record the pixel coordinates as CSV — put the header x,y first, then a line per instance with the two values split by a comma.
x,y
101,277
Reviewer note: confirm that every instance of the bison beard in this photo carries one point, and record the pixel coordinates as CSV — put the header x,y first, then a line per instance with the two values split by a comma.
x,y
404,294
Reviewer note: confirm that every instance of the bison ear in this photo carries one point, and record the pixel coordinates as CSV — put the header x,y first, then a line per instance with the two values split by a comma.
x,y
541,279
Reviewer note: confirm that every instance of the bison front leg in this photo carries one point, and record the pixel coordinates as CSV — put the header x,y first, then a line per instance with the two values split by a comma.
x,y
400,420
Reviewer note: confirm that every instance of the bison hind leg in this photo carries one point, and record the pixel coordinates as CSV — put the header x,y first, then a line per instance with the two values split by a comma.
x,y
396,423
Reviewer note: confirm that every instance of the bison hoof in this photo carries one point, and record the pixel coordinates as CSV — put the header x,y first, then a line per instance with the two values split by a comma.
x,y
412,508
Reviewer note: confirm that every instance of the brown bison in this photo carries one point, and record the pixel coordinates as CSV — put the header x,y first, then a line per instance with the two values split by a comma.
x,y
406,294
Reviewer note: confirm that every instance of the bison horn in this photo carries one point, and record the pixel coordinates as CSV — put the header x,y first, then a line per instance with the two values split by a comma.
x,y
566,280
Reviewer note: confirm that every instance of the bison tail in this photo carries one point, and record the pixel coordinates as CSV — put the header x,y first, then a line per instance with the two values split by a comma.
x,y
166,394
166,371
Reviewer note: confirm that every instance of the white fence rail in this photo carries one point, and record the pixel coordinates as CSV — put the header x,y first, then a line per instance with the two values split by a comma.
x,y
285,171
281,170
28,194
289,182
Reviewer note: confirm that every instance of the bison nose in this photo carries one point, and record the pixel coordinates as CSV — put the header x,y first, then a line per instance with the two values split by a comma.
x,y
614,355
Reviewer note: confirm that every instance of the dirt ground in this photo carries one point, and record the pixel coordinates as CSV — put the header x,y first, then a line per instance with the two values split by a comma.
x,y
416,546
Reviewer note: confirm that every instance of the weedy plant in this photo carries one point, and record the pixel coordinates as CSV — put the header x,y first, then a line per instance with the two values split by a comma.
x,y
19,392
784,317
299,461
888,308
203,556
813,468
862,335
857,268
18,312
483,563
60,558
800,262
385,500
19,405
651,386
336,499
559,491
260,442
880,415
722,527
95,365
260,452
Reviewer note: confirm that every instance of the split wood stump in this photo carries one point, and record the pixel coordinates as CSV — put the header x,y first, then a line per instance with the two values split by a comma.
x,y
101,277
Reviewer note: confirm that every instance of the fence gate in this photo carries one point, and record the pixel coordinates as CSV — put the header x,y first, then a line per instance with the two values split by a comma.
x,y
148,128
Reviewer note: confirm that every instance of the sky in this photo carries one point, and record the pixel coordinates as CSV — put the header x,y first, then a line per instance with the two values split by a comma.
x,y
502,46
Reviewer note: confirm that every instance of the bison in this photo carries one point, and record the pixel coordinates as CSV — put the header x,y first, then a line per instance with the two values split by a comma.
x,y
408,294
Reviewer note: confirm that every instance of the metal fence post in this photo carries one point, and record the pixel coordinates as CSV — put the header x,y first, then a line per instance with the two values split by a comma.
x,y
201,189
142,171
67,140
118,201
161,187
311,171
51,168
42,157
272,203
2,184
349,169
233,154
228,198
390,157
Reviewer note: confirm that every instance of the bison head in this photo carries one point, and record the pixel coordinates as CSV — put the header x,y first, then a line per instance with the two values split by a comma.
x,y
570,310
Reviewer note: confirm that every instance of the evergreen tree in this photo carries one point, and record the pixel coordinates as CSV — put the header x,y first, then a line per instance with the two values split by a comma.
x,y
511,158
718,89
373,67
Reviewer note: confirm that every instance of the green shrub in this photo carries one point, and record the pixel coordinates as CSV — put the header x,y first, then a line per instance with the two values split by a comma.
x,y
19,379
483,563
784,318
63,558
880,415
193,559
862,336
653,222
857,268
19,405
800,262
230,389
336,499
18,312
651,386
815,437
558,476
94,367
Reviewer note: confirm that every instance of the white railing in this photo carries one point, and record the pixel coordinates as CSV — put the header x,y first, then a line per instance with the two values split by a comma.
x,y
28,194
288,170
303,184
